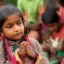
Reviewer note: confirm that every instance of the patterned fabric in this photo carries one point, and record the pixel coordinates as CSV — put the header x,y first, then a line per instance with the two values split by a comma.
x,y
13,45
35,46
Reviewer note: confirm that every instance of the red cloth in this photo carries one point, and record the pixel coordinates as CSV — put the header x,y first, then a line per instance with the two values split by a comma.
x,y
62,62
42,26
61,14
60,34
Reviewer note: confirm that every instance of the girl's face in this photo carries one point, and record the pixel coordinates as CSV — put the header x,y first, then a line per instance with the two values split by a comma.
x,y
13,27
54,27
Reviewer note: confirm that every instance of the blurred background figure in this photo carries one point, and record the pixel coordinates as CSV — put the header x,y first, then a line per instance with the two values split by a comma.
x,y
32,9
46,44
52,20
33,31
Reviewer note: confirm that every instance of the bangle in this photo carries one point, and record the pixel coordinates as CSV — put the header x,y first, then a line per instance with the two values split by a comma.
x,y
38,59
17,57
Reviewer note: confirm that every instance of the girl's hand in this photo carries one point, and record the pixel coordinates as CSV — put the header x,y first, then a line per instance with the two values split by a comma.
x,y
29,51
21,51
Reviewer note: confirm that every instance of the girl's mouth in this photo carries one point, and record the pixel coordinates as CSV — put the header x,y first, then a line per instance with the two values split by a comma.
x,y
18,34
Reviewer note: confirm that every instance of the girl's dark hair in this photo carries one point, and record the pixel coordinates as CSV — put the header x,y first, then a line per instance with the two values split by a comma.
x,y
7,10
50,16
61,2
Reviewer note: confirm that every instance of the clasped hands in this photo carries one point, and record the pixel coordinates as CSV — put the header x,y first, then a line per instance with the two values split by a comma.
x,y
26,49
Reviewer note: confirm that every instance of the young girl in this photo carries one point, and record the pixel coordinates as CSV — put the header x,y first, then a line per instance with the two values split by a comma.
x,y
15,47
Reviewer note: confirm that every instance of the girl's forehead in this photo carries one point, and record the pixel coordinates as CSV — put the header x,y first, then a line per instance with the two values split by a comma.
x,y
13,18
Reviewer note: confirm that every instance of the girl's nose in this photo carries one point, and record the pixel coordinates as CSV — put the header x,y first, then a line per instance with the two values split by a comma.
x,y
16,28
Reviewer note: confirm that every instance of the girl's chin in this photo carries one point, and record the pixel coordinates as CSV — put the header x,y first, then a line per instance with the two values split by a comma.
x,y
15,39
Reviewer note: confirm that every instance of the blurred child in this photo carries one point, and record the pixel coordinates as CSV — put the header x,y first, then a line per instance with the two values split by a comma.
x,y
52,20
15,46
33,31
46,34
34,34
46,44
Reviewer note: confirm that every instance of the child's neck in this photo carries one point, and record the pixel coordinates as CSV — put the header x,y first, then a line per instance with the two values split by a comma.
x,y
13,42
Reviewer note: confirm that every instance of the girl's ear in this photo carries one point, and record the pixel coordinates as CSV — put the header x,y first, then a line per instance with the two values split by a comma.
x,y
1,33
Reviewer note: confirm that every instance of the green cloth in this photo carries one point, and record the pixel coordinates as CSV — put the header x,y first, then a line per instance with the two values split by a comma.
x,y
46,54
13,45
53,61
13,2
13,48
31,7
59,53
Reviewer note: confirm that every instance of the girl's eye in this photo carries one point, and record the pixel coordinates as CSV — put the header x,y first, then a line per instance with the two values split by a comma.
x,y
10,26
19,23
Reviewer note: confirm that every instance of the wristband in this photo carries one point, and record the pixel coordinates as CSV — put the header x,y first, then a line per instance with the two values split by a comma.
x,y
17,57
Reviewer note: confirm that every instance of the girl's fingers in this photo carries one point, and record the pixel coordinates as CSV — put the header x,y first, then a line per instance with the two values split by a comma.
x,y
24,43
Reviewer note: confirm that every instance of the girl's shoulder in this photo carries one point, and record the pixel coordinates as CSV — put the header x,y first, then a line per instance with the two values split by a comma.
x,y
35,44
33,41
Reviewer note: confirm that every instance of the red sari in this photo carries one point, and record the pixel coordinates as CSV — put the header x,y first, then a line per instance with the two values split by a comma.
x,y
60,34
